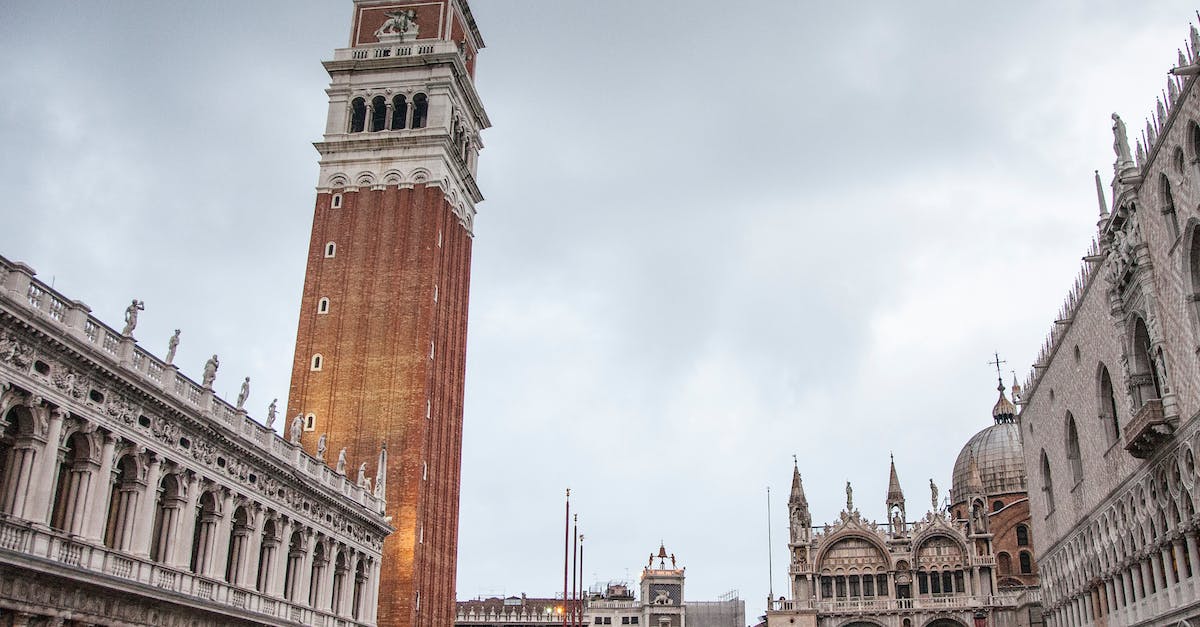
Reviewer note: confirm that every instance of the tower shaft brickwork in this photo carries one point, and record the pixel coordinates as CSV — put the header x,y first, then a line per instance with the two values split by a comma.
x,y
381,346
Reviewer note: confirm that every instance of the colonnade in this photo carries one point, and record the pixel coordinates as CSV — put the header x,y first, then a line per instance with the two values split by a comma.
x,y
99,489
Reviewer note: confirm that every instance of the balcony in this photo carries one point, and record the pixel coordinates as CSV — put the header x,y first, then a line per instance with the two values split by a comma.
x,y
1148,430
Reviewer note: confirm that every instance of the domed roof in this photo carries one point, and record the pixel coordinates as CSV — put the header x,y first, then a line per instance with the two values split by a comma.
x,y
998,455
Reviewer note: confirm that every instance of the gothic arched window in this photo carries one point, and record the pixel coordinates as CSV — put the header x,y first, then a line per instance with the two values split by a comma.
x,y
1047,482
1145,377
1073,454
1193,266
378,113
1168,206
399,112
1194,135
1107,402
420,114
358,115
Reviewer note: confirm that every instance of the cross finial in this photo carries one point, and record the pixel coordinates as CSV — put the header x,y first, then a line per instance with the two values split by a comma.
x,y
795,460
996,363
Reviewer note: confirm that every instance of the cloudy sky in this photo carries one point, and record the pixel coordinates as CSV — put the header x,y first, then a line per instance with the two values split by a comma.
x,y
715,235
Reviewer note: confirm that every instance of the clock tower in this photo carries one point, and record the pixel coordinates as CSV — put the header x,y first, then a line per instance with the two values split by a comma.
x,y
381,345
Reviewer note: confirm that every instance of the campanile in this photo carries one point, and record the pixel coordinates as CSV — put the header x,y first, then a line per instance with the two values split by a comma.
x,y
381,345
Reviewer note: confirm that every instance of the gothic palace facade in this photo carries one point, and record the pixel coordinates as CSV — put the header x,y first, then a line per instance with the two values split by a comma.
x,y
1110,409
131,495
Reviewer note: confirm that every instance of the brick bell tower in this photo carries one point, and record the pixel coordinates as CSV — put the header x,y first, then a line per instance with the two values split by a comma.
x,y
381,345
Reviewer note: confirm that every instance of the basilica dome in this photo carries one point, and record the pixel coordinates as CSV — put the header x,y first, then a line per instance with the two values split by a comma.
x,y
997,453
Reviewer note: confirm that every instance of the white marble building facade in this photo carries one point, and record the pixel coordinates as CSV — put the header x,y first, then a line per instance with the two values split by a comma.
x,y
131,495
1110,421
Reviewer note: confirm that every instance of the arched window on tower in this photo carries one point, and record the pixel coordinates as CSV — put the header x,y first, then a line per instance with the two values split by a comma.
x,y
1047,482
1167,201
1003,563
378,113
399,113
1147,386
358,115
330,250
323,306
1073,454
1026,563
1107,401
317,362
420,114
1022,535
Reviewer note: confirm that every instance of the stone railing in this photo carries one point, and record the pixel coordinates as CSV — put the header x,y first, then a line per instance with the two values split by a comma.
x,y
30,540
73,319
1148,429
391,50
864,605
514,617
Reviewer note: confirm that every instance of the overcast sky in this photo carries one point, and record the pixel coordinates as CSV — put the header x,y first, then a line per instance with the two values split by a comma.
x,y
715,235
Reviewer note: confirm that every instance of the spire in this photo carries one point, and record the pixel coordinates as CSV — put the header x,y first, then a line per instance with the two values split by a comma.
x,y
974,480
1016,389
895,494
797,496
1100,196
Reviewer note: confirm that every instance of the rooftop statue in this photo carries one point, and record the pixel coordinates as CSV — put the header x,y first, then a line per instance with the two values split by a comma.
x,y
172,346
1121,141
131,316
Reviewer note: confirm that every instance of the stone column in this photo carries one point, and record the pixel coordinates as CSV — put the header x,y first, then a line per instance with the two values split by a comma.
x,y
248,572
1180,554
1167,567
180,552
143,526
1110,596
373,588
97,506
1193,551
280,561
1139,586
21,463
1148,579
1156,567
127,503
1119,590
222,533
41,501
303,575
